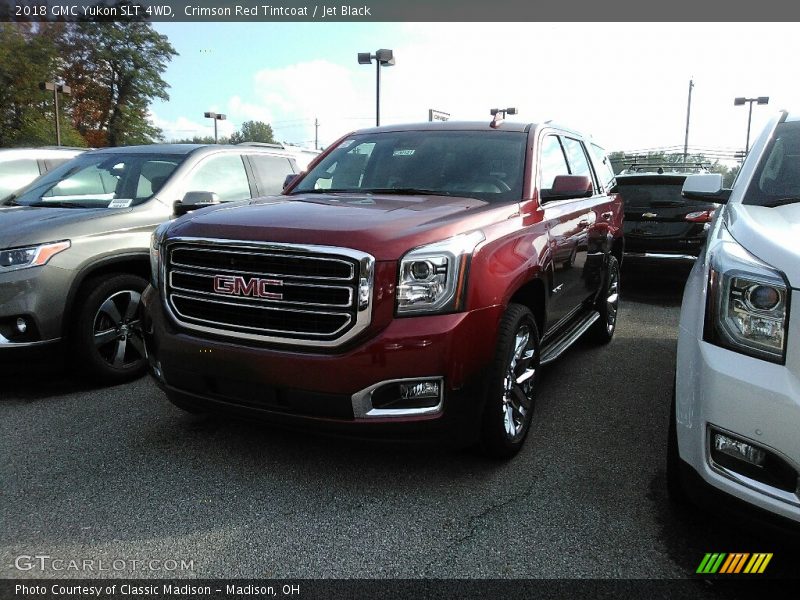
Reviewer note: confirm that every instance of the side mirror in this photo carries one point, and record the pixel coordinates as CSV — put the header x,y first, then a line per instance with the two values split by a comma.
x,y
290,179
193,201
706,188
568,186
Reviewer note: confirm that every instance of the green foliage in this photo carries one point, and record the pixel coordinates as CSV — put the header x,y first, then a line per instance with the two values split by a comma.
x,y
113,68
199,140
253,131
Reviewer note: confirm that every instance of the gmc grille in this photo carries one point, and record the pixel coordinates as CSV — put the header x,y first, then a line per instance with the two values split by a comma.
x,y
275,293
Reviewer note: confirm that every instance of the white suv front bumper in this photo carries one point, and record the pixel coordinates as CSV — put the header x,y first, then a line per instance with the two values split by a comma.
x,y
751,399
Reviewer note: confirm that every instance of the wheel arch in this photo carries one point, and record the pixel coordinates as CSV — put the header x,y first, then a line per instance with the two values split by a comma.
x,y
532,295
135,263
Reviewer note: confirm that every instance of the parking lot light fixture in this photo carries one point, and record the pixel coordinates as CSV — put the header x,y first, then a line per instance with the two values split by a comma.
x,y
739,102
216,117
56,88
382,58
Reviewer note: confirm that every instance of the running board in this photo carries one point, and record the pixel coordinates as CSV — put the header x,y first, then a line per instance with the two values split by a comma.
x,y
562,343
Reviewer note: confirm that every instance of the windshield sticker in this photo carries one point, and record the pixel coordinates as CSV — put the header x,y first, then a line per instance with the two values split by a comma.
x,y
346,143
120,203
408,152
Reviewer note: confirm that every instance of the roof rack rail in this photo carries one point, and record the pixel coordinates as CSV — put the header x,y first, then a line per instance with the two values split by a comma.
x,y
262,144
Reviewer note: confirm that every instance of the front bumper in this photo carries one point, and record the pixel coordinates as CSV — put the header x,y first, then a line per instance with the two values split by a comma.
x,y
754,400
37,295
331,390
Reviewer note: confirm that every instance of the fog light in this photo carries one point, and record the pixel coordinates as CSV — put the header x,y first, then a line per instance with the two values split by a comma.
x,y
22,326
739,449
423,389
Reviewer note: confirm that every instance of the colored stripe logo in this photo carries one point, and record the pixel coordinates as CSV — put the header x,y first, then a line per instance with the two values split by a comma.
x,y
734,563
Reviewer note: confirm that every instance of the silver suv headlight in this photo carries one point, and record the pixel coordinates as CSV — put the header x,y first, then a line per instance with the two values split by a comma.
x,y
748,302
433,278
14,259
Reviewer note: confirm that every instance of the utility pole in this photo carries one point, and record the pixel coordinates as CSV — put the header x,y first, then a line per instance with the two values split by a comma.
x,y
316,133
688,112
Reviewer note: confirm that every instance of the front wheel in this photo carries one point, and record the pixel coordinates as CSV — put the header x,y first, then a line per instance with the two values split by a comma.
x,y
608,304
510,391
107,338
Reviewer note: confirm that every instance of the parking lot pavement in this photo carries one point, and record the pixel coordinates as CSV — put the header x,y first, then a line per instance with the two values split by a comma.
x,y
120,474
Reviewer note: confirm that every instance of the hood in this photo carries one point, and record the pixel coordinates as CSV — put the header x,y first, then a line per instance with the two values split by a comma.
x,y
385,226
771,234
28,225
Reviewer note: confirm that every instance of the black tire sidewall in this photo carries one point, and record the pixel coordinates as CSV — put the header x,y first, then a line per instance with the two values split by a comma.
x,y
494,441
600,331
88,359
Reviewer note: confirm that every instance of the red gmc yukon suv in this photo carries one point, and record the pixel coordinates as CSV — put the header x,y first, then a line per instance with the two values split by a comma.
x,y
413,281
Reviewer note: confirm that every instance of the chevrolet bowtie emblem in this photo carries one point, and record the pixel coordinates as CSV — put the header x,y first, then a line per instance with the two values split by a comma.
x,y
649,215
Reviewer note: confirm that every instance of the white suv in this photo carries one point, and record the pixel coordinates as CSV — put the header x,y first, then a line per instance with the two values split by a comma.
x,y
735,425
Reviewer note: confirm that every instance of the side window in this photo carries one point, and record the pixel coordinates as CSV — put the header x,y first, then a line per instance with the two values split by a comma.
x,y
603,165
270,172
16,173
224,175
553,162
576,155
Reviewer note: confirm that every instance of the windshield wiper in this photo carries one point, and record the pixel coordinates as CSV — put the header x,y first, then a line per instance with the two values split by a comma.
x,y
782,201
58,205
399,191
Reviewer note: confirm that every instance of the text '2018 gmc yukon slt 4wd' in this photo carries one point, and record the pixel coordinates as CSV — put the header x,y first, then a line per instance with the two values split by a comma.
x,y
412,281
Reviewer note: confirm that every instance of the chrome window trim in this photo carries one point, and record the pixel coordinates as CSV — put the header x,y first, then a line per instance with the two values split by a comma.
x,y
363,409
362,302
266,300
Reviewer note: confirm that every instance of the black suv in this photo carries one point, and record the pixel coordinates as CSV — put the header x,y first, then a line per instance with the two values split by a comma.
x,y
659,223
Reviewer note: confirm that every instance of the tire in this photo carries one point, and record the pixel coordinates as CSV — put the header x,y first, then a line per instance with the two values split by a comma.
x,y
602,331
107,340
184,403
675,488
511,385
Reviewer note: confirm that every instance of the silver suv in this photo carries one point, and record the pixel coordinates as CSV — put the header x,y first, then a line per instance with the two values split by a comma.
x,y
74,244
20,166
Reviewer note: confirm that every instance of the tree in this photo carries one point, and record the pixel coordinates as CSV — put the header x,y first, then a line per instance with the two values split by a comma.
x,y
115,71
199,140
253,131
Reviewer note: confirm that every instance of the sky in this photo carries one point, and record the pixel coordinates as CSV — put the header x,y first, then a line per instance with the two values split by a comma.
x,y
625,84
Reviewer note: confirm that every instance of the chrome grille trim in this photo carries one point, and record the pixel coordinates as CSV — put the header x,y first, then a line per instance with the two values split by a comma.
x,y
348,304
273,308
264,273
359,313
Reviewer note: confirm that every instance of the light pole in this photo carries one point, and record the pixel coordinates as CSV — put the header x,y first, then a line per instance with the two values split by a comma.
x,y
383,58
216,117
739,102
688,112
56,88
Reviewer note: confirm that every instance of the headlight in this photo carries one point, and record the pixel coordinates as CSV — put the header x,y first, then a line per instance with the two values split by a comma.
x,y
433,278
155,250
31,256
747,303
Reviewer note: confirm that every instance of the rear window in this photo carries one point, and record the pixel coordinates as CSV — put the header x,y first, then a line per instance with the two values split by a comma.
x,y
644,193
777,176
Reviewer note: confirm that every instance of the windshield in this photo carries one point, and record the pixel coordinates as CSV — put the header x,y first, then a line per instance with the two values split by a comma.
x,y
640,193
777,177
100,181
487,165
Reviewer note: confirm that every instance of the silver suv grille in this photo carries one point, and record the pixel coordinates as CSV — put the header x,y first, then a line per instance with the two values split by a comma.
x,y
280,293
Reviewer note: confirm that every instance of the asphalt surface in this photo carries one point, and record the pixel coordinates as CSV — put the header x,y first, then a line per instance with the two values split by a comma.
x,y
118,473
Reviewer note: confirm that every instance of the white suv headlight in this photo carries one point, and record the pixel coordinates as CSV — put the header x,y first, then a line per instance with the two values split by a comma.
x,y
747,303
433,278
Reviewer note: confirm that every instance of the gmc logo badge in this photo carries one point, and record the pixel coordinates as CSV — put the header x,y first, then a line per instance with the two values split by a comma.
x,y
235,285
